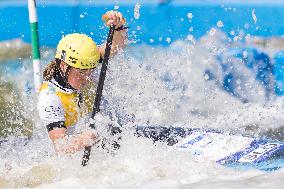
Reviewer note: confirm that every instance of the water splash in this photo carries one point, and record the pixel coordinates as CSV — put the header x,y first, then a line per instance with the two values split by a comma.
x,y
161,85
137,10
254,16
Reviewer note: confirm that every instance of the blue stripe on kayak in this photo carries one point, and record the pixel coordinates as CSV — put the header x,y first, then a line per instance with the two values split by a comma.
x,y
254,157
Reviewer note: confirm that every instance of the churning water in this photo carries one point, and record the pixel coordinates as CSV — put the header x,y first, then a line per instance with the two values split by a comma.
x,y
179,85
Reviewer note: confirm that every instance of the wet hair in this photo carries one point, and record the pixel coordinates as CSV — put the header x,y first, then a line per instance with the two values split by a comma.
x,y
53,68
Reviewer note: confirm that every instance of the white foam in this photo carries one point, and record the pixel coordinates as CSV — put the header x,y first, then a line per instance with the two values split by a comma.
x,y
159,85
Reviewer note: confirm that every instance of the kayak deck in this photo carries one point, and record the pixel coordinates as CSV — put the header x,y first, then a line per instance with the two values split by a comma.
x,y
234,151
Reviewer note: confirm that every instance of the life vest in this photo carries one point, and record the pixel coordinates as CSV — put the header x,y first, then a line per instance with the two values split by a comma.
x,y
68,102
57,104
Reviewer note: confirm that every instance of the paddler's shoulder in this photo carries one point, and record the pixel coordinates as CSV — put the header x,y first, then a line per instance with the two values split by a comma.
x,y
47,88
53,87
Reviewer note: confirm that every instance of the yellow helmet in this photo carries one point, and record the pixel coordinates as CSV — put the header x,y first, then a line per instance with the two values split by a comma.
x,y
78,51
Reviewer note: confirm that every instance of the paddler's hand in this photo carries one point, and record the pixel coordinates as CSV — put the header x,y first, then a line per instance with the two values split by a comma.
x,y
115,18
119,40
78,142
88,139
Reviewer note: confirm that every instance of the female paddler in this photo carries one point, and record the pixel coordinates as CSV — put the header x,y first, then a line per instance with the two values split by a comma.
x,y
61,103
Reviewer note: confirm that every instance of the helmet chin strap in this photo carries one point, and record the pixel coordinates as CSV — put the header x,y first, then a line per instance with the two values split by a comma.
x,y
64,75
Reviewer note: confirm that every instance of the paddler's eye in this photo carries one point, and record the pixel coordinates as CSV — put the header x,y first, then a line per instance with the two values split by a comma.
x,y
83,72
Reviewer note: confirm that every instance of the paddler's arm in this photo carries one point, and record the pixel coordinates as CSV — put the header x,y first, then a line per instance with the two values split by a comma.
x,y
52,116
119,37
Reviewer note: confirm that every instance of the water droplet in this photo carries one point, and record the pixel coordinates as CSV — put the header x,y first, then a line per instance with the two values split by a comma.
x,y
254,16
232,32
236,38
220,24
191,39
189,15
212,31
245,54
206,77
137,11
168,39
116,5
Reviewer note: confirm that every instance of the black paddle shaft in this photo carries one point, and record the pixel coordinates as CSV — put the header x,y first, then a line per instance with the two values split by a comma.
x,y
96,106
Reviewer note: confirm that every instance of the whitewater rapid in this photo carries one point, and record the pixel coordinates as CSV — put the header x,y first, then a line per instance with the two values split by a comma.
x,y
154,85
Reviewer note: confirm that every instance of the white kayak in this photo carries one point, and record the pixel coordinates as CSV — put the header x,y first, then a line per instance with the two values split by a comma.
x,y
234,151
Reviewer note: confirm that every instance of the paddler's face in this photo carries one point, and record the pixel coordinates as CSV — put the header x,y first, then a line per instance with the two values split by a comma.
x,y
78,78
